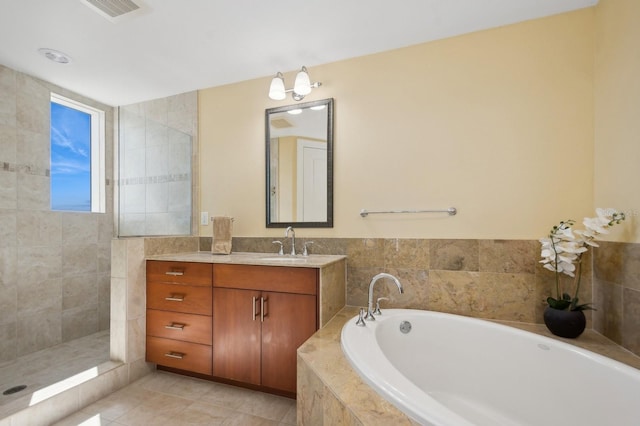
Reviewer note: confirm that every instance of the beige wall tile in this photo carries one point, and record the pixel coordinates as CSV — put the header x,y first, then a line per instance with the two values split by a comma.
x,y
79,259
8,142
39,330
405,253
8,341
514,256
609,304
454,255
33,149
39,228
8,98
32,192
8,228
79,291
79,321
79,228
8,188
631,320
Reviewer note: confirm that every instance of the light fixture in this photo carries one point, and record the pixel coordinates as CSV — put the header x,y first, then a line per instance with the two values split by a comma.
x,y
301,87
55,55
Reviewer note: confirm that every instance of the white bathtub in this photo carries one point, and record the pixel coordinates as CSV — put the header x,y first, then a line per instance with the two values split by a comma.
x,y
454,370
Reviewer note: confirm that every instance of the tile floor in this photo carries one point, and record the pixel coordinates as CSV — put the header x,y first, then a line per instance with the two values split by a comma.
x,y
163,398
48,366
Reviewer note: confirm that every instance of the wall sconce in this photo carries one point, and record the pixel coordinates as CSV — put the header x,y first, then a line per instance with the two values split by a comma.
x,y
301,87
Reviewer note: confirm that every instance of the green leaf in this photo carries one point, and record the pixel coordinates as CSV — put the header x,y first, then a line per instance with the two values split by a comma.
x,y
558,304
566,296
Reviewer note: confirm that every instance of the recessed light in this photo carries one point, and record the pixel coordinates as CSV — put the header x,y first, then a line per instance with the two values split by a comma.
x,y
55,55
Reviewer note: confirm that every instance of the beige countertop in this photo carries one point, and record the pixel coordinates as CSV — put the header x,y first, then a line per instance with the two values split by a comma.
x,y
323,355
265,259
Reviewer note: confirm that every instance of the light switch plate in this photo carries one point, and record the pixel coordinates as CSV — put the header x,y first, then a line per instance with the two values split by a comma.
x,y
204,218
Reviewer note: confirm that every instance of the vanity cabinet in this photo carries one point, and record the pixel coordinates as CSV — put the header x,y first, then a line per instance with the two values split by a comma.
x,y
261,315
179,309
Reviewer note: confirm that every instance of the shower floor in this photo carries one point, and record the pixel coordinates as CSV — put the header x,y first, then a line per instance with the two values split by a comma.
x,y
48,366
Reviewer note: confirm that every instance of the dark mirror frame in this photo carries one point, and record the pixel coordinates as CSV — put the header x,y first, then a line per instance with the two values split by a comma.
x,y
329,222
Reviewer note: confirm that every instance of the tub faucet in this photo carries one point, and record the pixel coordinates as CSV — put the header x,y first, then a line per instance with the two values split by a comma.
x,y
293,239
375,279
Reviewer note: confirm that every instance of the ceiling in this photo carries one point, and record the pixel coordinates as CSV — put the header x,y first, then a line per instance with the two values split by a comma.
x,y
174,46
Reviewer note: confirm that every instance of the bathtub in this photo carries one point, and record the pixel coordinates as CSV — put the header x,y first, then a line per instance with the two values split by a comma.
x,y
453,370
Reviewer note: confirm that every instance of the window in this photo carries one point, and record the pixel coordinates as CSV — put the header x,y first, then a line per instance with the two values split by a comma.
x,y
77,156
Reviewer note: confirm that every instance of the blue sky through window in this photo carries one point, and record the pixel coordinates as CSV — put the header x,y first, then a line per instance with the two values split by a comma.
x,y
70,159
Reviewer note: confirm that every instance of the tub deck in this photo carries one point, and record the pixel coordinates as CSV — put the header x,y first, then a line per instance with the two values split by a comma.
x,y
331,392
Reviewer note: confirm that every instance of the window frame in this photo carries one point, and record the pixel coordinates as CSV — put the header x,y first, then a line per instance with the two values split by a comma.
x,y
98,158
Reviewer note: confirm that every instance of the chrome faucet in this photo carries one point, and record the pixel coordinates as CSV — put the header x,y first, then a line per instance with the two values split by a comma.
x,y
375,279
293,239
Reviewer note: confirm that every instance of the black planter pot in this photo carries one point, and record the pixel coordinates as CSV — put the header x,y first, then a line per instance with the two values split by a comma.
x,y
569,324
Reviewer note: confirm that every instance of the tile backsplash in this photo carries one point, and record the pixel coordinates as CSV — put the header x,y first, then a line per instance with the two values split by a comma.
x,y
492,279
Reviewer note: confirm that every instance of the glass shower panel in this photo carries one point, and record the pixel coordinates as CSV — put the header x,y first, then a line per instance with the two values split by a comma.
x,y
155,178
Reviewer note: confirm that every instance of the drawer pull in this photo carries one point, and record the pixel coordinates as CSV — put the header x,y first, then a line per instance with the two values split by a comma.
x,y
175,326
175,298
176,355
175,273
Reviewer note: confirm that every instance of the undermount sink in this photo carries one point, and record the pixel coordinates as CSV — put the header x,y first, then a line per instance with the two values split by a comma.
x,y
287,259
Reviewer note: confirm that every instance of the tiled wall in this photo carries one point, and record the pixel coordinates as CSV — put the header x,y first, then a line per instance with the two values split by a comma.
x,y
54,266
498,279
617,293
158,148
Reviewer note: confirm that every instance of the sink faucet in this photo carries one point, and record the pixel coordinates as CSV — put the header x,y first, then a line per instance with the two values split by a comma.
x,y
375,279
293,239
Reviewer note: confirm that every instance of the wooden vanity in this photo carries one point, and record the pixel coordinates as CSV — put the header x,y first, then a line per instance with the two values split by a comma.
x,y
240,318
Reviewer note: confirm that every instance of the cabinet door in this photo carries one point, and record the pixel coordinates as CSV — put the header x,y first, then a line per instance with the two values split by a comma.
x,y
289,320
236,335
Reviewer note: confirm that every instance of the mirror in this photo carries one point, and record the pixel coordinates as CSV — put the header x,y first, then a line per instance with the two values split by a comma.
x,y
299,165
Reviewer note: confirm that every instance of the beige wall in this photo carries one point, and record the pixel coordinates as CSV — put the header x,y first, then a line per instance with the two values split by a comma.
x,y
617,111
497,123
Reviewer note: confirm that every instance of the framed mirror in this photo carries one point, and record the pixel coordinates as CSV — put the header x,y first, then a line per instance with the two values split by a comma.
x,y
299,165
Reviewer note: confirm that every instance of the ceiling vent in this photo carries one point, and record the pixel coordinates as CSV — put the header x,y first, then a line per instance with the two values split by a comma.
x,y
114,10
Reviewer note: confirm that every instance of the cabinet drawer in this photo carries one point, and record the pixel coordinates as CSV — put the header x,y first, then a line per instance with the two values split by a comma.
x,y
270,278
177,354
179,326
192,273
179,298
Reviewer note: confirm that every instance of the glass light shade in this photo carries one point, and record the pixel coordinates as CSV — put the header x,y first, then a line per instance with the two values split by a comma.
x,y
302,85
276,90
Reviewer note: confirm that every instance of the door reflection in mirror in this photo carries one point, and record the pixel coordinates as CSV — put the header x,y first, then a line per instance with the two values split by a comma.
x,y
299,172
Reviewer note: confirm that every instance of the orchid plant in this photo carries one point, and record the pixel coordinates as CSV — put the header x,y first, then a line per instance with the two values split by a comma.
x,y
562,252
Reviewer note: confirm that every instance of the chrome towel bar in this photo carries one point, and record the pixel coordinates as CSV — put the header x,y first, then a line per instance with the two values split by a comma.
x,y
452,211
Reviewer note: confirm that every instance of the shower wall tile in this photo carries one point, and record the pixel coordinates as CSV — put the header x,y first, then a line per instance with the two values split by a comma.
x,y
8,267
79,322
8,189
32,192
8,304
79,228
39,228
8,98
32,104
79,291
8,228
33,149
36,264
48,259
36,296
8,144
79,259
39,330
8,350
